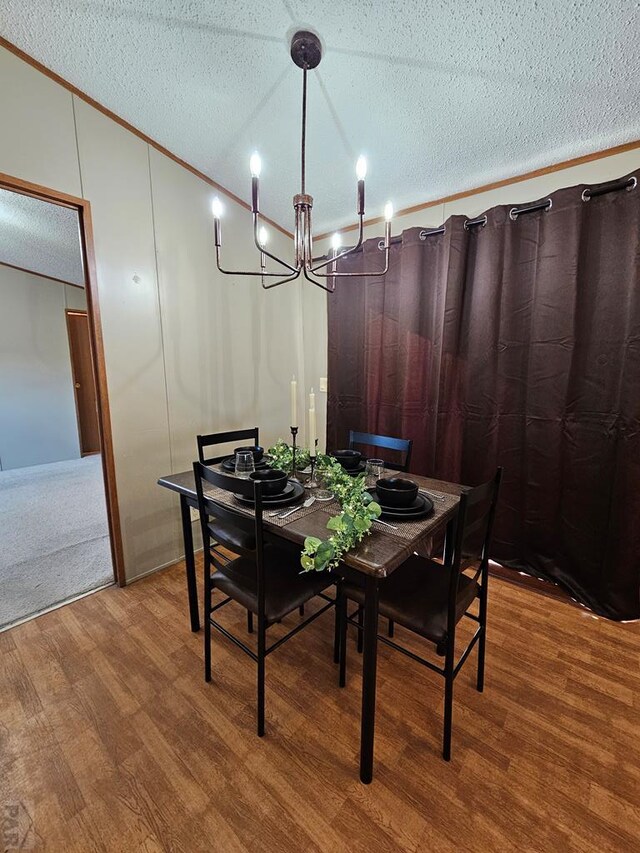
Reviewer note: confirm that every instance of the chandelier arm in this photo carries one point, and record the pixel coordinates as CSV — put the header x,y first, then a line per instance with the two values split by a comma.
x,y
344,253
245,272
284,280
318,283
262,249
297,242
308,243
356,274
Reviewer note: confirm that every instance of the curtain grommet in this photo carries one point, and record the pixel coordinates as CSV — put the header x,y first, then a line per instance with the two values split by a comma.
x,y
545,206
481,221
433,233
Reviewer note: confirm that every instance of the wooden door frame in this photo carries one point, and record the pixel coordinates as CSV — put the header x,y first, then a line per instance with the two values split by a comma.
x,y
79,312
83,207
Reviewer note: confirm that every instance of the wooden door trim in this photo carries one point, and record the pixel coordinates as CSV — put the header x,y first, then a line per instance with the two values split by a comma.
x,y
67,311
78,312
83,208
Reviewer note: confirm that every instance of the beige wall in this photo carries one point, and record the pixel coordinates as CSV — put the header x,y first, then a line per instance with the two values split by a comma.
x,y
597,171
186,349
38,421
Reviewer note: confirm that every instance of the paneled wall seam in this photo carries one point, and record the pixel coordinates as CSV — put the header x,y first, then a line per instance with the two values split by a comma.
x,y
75,133
160,319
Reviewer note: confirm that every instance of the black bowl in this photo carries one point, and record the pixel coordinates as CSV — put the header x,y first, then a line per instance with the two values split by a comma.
x,y
258,452
396,491
273,481
349,459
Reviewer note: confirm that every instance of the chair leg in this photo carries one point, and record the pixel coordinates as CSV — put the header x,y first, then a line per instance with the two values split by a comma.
x,y
448,700
336,632
360,628
207,632
261,657
391,626
342,618
481,652
249,622
483,635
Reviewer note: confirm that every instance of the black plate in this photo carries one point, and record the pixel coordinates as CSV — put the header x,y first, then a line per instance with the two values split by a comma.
x,y
420,508
290,495
362,466
229,464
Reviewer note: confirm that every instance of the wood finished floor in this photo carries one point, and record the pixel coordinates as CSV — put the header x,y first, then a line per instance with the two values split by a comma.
x,y
113,741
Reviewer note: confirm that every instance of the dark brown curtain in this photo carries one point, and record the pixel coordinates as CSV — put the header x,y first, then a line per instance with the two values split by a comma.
x,y
514,344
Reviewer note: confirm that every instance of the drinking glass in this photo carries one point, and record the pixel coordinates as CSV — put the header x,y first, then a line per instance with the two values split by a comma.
x,y
375,471
245,464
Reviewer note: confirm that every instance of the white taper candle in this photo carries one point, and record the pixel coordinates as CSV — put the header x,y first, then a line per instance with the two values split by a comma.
x,y
294,403
313,433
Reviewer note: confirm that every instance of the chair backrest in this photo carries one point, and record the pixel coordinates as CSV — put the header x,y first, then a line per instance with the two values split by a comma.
x,y
227,526
387,442
216,438
474,528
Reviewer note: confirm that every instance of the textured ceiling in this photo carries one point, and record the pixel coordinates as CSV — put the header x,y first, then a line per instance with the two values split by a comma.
x,y
441,97
41,237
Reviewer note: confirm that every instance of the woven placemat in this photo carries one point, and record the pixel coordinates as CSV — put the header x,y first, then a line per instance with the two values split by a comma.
x,y
409,531
228,499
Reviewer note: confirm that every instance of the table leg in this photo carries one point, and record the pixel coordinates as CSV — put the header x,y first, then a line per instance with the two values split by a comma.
x,y
190,564
369,665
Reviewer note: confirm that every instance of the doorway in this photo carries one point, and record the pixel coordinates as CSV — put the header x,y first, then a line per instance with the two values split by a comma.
x,y
58,494
84,386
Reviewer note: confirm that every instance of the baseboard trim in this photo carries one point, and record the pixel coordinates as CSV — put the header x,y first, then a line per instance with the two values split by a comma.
x,y
159,568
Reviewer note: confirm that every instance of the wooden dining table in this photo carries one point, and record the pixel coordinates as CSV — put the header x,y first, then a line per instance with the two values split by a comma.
x,y
373,560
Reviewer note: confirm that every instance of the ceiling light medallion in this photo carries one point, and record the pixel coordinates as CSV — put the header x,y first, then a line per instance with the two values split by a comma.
x,y
306,52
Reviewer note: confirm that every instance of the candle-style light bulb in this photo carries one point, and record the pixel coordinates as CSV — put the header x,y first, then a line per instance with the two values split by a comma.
x,y
255,164
263,236
336,242
361,171
216,210
388,216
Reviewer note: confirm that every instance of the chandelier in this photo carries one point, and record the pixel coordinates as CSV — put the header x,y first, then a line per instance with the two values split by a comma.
x,y
306,52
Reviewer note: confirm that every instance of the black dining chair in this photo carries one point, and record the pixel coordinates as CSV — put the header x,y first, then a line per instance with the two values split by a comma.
x,y
386,442
263,578
430,598
251,435
217,438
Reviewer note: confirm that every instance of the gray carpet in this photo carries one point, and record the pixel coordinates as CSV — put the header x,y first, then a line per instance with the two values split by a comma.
x,y
54,539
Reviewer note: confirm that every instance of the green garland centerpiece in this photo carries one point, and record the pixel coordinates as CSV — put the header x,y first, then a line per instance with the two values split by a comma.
x,y
282,457
350,526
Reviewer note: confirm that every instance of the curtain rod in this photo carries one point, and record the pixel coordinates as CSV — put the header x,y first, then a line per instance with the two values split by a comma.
x,y
609,187
587,194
